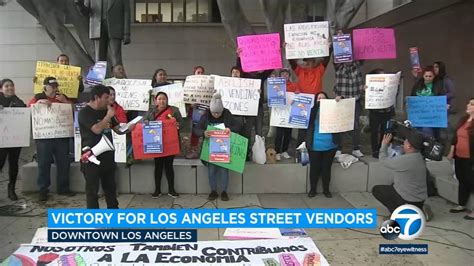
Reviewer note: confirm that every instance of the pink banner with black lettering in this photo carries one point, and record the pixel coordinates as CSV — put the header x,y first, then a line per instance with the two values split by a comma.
x,y
374,44
260,52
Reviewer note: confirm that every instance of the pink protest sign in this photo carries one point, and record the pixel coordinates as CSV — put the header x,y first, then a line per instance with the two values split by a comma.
x,y
260,52
374,44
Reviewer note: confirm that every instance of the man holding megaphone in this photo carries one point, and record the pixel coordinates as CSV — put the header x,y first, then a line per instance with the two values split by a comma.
x,y
96,121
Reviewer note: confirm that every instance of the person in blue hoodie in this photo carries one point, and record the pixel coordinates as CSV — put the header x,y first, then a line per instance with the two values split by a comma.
x,y
321,148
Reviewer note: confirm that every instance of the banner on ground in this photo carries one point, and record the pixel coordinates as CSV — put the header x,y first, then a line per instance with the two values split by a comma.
x,y
342,48
131,94
15,127
238,153
280,116
50,122
67,76
239,95
96,74
335,116
198,89
276,92
381,91
297,251
305,40
170,141
153,137
374,43
175,93
428,111
260,52
219,146
414,58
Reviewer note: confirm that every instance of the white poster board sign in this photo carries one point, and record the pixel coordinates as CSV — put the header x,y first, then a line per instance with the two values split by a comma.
x,y
175,94
306,40
335,116
280,116
120,145
381,91
50,122
131,94
15,127
198,89
239,95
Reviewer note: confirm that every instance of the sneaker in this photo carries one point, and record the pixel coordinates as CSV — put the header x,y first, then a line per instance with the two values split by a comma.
x,y
278,157
156,195
173,194
213,195
458,209
328,194
43,196
357,153
428,212
67,193
286,155
469,216
311,194
224,196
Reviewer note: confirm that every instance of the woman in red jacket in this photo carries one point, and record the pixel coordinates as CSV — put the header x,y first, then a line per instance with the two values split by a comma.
x,y
120,113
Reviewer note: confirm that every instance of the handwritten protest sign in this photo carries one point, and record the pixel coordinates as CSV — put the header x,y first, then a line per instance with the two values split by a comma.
x,y
239,95
198,89
280,116
276,92
427,111
260,52
15,127
381,90
170,141
120,146
66,75
335,116
305,40
300,110
414,58
374,43
52,122
96,74
131,94
342,48
238,152
175,94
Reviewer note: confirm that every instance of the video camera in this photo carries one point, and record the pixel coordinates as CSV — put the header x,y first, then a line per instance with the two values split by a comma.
x,y
430,149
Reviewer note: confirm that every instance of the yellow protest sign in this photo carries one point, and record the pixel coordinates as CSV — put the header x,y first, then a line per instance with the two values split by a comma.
x,y
66,75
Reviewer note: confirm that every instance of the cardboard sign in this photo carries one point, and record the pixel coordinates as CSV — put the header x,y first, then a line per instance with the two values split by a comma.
x,y
300,110
280,116
239,95
381,90
67,77
15,127
152,137
428,111
342,48
238,153
96,74
276,92
219,146
306,40
260,52
335,116
374,43
414,58
175,93
120,145
198,89
170,141
52,122
131,94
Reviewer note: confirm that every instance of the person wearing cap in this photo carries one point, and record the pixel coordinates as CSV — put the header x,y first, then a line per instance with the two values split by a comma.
x,y
409,184
217,115
58,148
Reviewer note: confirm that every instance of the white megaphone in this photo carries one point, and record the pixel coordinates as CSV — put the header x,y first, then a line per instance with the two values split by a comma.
x,y
90,155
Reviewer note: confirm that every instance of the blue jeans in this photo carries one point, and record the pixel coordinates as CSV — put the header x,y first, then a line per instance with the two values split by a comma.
x,y
217,172
45,150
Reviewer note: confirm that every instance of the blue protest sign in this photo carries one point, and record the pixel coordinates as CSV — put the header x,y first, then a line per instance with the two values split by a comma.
x,y
427,111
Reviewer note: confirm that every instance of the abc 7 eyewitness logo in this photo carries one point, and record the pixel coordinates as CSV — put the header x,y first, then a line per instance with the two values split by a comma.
x,y
407,223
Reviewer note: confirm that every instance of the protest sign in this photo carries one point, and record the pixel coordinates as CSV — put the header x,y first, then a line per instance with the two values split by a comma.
x,y
153,137
414,58
49,122
238,153
427,111
198,89
276,92
335,116
280,116
374,43
342,48
306,40
67,76
96,74
198,111
219,146
131,94
297,251
300,110
15,127
77,132
381,91
260,52
120,146
175,93
239,95
170,141
263,233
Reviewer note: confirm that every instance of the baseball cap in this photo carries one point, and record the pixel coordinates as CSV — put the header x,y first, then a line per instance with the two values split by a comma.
x,y
51,81
415,139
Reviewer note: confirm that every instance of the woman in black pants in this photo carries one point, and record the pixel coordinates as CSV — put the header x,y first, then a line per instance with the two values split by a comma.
x,y
322,149
9,99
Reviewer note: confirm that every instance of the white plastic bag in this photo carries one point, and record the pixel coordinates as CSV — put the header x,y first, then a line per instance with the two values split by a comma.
x,y
258,150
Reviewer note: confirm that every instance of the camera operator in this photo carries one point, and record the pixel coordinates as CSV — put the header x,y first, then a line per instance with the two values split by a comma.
x,y
409,184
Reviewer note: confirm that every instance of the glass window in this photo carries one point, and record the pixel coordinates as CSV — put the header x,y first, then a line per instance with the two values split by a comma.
x,y
140,12
155,11
203,11
178,11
